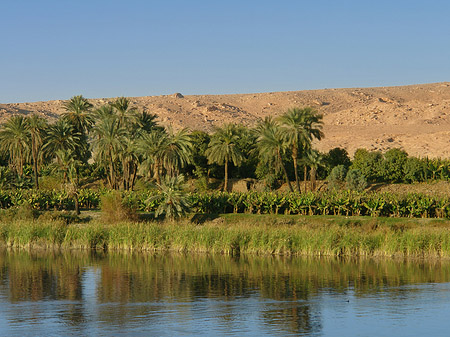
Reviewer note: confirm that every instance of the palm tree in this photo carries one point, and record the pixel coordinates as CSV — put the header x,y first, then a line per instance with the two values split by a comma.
x,y
78,113
130,161
314,160
36,128
124,112
149,147
15,140
61,141
223,149
105,111
176,150
108,145
61,135
146,122
300,127
271,146
173,201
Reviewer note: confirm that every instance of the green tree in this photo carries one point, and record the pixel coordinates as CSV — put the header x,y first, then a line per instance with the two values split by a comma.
x,y
125,113
36,127
15,140
393,166
314,160
337,156
271,146
176,150
108,143
173,201
78,113
300,127
337,176
369,163
149,147
355,180
224,148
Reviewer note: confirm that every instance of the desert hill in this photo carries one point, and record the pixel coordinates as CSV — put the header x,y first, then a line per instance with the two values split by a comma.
x,y
415,117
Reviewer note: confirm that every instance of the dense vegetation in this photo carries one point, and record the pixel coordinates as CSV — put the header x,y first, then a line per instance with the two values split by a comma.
x,y
234,236
166,201
125,149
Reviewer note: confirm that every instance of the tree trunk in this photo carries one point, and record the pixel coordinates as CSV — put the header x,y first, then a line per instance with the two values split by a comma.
x,y
225,185
77,204
111,176
285,172
313,178
305,173
295,158
297,182
133,179
35,169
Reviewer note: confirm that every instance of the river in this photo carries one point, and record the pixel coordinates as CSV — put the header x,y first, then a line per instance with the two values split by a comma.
x,y
99,294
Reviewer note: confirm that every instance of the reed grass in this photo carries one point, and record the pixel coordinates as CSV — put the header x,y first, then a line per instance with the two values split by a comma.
x,y
280,235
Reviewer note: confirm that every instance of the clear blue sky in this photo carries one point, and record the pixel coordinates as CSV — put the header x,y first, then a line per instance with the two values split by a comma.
x,y
54,49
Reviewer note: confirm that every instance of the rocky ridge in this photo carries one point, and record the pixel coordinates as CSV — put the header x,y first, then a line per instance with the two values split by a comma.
x,y
415,118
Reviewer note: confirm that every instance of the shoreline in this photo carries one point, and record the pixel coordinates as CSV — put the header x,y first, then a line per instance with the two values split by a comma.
x,y
233,235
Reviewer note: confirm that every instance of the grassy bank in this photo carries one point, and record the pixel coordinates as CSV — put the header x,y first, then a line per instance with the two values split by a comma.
x,y
243,234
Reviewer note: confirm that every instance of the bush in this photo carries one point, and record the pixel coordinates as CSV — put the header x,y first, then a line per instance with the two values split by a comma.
x,y
394,165
355,180
369,163
337,177
115,209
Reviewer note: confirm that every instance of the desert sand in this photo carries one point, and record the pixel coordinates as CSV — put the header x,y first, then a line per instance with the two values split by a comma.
x,y
415,118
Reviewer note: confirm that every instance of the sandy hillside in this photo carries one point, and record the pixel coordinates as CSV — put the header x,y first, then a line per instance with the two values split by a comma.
x,y
415,118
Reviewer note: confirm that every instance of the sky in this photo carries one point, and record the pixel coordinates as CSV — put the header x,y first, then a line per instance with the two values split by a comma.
x,y
55,49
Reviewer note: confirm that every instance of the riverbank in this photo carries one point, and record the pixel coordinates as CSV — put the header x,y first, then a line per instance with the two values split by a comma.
x,y
235,234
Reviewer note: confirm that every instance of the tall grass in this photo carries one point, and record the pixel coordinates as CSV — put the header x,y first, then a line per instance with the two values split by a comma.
x,y
241,237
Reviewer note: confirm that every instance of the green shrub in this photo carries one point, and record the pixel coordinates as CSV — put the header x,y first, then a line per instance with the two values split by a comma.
x,y
370,163
393,165
355,180
337,177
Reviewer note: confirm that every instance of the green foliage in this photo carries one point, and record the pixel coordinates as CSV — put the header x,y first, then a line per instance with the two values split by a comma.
x,y
337,156
393,166
414,170
355,180
173,202
369,163
337,176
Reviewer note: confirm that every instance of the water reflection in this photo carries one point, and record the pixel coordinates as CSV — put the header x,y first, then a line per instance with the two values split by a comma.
x,y
194,294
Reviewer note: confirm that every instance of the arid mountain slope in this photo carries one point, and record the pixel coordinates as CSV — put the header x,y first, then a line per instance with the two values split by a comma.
x,y
415,118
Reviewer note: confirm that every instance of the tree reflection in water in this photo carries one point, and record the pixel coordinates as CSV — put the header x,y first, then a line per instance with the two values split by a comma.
x,y
283,294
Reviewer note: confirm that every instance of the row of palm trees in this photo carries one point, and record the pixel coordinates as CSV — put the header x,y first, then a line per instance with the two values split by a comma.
x,y
127,143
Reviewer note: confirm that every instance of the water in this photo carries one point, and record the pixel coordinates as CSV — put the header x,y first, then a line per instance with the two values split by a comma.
x,y
77,293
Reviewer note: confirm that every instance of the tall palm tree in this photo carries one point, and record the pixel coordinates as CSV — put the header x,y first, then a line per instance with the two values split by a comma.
x,y
146,122
149,148
176,150
314,160
105,111
300,127
130,160
36,128
223,149
271,146
108,144
78,113
124,112
15,140
61,141
61,135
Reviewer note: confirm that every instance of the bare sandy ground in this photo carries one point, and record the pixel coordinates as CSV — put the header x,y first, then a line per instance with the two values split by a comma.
x,y
415,118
